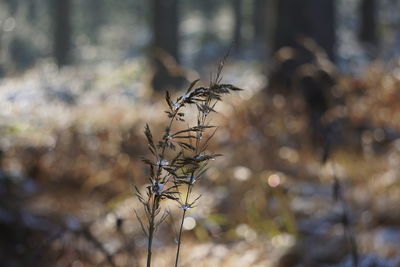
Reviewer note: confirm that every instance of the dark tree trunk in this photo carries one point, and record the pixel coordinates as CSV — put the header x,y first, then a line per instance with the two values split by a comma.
x,y
62,32
12,6
259,20
286,30
237,28
301,66
32,10
207,12
94,19
165,52
309,18
368,21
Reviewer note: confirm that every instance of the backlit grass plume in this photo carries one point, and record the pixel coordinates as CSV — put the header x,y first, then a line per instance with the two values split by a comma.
x,y
180,157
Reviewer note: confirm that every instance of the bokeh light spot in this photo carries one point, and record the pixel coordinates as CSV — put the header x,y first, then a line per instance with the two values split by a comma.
x,y
274,180
241,173
189,223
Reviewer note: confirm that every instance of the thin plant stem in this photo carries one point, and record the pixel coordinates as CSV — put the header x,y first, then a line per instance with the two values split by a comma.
x,y
179,238
201,118
155,201
151,233
182,164
189,189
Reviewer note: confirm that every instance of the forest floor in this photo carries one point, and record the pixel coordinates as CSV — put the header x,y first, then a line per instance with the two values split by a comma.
x,y
70,154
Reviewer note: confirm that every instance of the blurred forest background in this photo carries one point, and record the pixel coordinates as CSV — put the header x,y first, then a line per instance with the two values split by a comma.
x,y
311,168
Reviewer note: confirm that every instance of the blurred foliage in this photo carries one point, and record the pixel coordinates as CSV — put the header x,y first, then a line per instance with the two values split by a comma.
x,y
71,141
269,195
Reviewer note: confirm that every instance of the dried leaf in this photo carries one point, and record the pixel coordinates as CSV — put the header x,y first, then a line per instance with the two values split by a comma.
x,y
186,146
168,100
198,128
150,142
230,87
141,223
192,85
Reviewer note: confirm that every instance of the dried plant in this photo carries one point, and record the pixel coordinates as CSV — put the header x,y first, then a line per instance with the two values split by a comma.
x,y
180,158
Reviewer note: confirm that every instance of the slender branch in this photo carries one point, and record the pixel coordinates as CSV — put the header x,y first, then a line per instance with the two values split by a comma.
x,y
184,208
156,199
179,238
151,233
201,118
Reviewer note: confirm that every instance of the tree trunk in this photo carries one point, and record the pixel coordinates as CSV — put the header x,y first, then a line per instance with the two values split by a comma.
x,y
237,28
32,10
259,20
62,32
368,21
368,27
94,19
207,14
165,52
309,18
302,67
12,6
